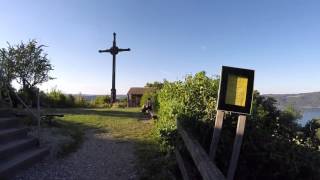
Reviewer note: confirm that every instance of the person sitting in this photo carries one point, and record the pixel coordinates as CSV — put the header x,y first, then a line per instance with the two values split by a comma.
x,y
147,108
149,105
144,109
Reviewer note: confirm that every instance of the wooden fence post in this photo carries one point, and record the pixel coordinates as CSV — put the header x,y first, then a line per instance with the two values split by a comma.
x,y
181,164
207,169
236,147
216,134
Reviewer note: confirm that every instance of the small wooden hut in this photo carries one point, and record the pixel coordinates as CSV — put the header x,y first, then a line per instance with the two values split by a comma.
x,y
135,94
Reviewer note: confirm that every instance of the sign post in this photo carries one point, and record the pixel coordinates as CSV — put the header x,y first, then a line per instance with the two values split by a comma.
x,y
236,147
216,134
235,95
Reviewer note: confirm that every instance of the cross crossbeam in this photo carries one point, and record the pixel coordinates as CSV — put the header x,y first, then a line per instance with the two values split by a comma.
x,y
114,50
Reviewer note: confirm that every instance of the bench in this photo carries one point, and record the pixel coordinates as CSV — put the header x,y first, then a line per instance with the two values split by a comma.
x,y
49,117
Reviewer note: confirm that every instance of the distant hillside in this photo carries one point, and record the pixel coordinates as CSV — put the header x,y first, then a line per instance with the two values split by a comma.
x,y
90,97
301,101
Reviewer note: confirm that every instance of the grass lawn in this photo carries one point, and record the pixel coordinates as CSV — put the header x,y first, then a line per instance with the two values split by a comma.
x,y
123,124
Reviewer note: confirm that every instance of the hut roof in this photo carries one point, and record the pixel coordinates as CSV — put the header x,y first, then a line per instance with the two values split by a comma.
x,y
139,90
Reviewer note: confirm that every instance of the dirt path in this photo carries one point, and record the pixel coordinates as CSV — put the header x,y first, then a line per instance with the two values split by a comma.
x,y
100,157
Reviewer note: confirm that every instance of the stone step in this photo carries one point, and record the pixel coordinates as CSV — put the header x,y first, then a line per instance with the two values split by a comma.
x,y
9,122
20,161
6,112
12,148
5,102
11,134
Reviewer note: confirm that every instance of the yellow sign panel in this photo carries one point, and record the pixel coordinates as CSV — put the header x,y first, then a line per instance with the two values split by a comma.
x,y
236,90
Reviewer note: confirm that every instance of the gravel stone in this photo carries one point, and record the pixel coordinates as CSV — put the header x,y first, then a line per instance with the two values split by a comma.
x,y
101,157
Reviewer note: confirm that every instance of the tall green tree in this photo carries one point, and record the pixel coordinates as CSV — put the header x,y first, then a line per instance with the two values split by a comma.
x,y
28,64
31,65
7,65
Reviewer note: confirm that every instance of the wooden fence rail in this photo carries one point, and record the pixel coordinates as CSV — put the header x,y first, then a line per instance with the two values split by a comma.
x,y
207,169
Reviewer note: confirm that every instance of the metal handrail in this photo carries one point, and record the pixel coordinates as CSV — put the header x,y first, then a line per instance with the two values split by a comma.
x,y
37,116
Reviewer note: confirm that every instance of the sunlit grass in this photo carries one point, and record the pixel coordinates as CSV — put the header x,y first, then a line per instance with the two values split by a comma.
x,y
121,123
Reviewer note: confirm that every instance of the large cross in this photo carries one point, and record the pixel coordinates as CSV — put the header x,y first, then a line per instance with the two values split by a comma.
x,y
114,50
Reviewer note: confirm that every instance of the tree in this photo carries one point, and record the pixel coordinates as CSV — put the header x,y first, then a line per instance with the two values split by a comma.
x,y
7,72
312,134
31,65
157,85
27,63
6,75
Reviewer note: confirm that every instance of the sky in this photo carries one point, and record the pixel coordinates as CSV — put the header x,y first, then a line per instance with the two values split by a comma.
x,y
279,39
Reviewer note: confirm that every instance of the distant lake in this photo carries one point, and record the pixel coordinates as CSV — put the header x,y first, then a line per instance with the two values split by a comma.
x,y
309,114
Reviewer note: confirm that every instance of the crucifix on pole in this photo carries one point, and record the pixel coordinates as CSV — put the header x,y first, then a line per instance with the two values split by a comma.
x,y
114,50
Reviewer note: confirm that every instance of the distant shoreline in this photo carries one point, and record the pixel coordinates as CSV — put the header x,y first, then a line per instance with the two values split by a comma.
x,y
307,107
300,101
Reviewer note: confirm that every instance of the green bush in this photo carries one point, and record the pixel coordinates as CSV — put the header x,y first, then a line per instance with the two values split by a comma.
x,y
101,102
56,98
312,134
28,95
80,101
120,104
153,95
70,100
273,146
195,97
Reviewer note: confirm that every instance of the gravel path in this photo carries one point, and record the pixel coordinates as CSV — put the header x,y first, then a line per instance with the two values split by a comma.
x,y
99,157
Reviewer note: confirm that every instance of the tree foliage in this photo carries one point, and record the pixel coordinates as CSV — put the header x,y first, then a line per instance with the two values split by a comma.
x,y
27,63
155,85
7,65
31,65
152,94
312,134
194,97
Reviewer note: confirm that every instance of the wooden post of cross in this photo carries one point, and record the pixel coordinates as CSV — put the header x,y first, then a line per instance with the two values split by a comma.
x,y
114,50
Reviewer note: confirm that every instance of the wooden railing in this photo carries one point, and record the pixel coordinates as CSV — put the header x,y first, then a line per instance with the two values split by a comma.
x,y
207,169
204,162
37,115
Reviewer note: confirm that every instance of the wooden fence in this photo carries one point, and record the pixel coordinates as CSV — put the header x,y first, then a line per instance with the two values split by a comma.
x,y
207,169
204,162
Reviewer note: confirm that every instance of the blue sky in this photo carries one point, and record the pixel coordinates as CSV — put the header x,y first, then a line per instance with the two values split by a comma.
x,y
280,39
